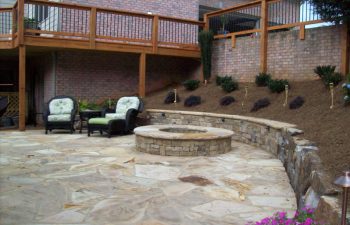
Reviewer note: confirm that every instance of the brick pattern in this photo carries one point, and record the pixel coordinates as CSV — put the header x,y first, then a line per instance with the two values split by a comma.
x,y
222,3
96,76
288,56
187,9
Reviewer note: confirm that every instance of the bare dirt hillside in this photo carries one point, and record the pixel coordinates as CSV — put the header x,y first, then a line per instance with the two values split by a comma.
x,y
330,129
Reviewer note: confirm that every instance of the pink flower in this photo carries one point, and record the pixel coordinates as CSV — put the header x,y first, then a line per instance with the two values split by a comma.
x,y
282,215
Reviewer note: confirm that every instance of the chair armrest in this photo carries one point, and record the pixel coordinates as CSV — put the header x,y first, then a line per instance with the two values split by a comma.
x,y
107,110
72,114
130,119
46,112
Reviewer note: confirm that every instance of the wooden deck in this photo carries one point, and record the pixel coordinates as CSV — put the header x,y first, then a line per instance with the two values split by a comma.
x,y
84,27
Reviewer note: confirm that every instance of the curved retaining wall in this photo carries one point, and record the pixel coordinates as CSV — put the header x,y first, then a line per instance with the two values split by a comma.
x,y
312,185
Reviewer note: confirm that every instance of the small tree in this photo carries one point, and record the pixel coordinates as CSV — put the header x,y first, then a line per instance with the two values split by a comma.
x,y
333,11
206,44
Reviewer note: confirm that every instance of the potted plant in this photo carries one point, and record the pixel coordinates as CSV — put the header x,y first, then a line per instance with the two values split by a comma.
x,y
31,23
224,21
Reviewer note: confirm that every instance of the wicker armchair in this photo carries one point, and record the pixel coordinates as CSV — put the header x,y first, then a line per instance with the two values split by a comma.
x,y
121,120
60,113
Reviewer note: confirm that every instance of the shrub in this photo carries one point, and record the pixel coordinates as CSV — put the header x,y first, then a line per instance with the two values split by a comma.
x,y
346,88
261,103
191,85
205,39
297,102
170,98
322,71
304,216
222,79
328,75
192,101
262,79
227,100
277,86
334,78
229,85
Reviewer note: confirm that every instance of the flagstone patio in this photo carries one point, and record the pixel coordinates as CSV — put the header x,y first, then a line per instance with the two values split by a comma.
x,y
73,179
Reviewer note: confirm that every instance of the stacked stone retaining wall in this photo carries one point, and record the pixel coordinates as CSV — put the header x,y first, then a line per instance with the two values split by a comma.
x,y
312,185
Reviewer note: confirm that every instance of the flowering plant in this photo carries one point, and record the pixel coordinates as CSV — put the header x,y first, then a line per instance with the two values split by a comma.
x,y
346,87
304,216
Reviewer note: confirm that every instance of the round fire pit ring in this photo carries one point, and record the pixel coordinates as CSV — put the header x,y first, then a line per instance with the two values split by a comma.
x,y
183,140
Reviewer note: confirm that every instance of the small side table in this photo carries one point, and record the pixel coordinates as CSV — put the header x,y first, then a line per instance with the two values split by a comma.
x,y
86,115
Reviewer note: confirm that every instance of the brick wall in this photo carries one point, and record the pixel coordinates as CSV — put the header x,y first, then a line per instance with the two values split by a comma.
x,y
222,3
187,9
288,56
96,76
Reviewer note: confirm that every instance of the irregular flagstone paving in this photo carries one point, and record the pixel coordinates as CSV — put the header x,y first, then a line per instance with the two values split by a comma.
x,y
73,179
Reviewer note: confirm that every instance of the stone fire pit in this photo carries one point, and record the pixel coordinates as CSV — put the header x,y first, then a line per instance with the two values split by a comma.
x,y
182,140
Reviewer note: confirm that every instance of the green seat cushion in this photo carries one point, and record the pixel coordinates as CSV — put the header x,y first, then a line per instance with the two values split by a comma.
x,y
100,121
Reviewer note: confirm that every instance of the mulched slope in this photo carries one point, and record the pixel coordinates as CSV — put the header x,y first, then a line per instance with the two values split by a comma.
x,y
330,129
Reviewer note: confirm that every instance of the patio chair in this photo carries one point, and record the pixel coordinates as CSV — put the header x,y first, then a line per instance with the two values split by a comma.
x,y
121,121
60,113
4,103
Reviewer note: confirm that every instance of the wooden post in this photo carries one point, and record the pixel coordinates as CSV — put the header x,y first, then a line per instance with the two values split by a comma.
x,y
22,88
155,34
264,36
142,75
14,25
345,48
233,41
93,14
302,32
206,21
20,22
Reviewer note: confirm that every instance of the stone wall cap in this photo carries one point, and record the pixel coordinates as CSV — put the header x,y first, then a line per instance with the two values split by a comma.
x,y
266,122
204,133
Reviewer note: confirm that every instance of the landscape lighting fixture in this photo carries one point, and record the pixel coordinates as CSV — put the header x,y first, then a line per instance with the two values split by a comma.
x,y
344,182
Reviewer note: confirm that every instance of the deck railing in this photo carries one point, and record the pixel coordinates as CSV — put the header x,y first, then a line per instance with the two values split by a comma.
x,y
7,24
247,18
93,24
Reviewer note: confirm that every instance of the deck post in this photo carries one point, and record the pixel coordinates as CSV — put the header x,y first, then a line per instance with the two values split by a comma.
x,y
155,34
22,88
14,26
20,22
142,75
264,36
302,32
345,48
93,14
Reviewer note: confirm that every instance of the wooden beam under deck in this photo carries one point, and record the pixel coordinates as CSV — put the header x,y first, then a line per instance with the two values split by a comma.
x,y
6,44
